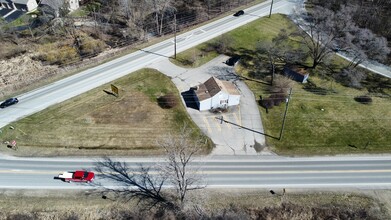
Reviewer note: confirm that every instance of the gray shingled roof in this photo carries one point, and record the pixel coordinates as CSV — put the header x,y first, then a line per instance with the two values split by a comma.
x,y
213,86
55,4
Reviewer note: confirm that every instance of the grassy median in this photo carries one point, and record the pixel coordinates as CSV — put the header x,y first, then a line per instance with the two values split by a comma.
x,y
98,123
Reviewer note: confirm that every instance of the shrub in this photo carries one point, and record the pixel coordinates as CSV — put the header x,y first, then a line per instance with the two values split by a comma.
x,y
278,98
167,101
267,103
15,52
224,43
281,84
351,77
52,54
364,99
90,47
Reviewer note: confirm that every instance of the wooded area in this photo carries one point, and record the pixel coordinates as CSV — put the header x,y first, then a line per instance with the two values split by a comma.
x,y
40,46
374,15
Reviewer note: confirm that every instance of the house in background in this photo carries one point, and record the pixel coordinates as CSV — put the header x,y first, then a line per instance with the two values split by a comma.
x,y
215,93
55,6
298,74
11,10
22,5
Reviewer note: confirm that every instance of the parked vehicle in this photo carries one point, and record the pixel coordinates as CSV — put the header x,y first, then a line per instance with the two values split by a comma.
x,y
232,60
9,102
237,14
76,176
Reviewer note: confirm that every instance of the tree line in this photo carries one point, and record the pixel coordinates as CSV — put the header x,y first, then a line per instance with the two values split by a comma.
x,y
374,15
323,30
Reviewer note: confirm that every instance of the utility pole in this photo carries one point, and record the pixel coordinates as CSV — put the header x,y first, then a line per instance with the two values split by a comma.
x,y
271,7
175,36
286,111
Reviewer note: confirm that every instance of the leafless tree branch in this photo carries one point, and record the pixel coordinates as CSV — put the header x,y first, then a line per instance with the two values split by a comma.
x,y
152,188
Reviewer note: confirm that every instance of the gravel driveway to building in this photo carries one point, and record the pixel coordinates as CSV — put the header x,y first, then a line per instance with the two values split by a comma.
x,y
240,132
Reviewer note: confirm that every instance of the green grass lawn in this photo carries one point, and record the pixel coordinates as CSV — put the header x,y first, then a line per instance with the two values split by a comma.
x,y
97,123
244,41
344,126
328,124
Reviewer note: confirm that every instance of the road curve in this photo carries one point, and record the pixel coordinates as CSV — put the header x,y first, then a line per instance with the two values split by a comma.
x,y
41,98
269,172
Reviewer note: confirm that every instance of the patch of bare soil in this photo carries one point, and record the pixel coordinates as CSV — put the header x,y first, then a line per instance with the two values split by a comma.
x,y
129,111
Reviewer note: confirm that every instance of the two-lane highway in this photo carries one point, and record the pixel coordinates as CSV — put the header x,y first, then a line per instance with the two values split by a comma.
x,y
72,86
220,172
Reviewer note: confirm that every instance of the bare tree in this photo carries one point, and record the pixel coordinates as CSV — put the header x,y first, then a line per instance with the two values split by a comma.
x,y
278,52
224,43
271,52
317,33
351,76
337,31
274,51
152,189
180,153
364,45
136,12
161,7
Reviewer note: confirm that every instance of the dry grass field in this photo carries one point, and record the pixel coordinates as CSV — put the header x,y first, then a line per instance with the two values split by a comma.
x,y
226,204
97,123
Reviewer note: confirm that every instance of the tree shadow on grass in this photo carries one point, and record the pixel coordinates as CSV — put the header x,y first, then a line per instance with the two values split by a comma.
x,y
378,84
313,88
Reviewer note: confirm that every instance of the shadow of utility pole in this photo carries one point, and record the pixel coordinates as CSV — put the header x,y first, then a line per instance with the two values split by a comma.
x,y
249,129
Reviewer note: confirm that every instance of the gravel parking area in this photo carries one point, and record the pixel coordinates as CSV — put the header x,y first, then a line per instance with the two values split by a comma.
x,y
240,132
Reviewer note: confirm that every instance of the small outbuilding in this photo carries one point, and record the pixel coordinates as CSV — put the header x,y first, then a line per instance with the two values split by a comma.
x,y
298,74
215,93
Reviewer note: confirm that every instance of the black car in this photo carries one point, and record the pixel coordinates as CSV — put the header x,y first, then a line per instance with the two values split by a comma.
x,y
9,102
237,14
232,61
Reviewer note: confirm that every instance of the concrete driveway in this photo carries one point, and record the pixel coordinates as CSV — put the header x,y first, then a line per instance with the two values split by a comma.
x,y
233,136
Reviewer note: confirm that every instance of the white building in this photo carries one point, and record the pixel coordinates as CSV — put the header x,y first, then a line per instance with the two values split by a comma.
x,y
73,4
215,93
22,5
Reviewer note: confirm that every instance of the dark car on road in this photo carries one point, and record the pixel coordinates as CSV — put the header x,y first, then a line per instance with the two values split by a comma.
x,y
9,102
237,14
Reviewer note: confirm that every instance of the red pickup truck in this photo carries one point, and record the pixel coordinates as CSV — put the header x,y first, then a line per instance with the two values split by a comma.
x,y
76,176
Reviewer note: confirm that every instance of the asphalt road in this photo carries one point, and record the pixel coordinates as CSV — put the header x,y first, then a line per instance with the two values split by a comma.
x,y
265,172
220,172
41,98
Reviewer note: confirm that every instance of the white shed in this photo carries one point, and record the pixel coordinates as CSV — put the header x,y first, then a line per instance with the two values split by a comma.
x,y
215,93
